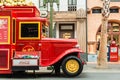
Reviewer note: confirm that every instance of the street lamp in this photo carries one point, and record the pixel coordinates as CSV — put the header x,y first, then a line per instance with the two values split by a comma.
x,y
51,14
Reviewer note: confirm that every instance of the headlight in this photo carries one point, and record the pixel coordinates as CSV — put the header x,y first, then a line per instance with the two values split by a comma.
x,y
77,46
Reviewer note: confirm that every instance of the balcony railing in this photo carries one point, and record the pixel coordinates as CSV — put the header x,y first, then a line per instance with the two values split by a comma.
x,y
72,7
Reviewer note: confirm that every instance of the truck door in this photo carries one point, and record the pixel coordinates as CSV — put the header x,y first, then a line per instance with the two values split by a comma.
x,y
28,36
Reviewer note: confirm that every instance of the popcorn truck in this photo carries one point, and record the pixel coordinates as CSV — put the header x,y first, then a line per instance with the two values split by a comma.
x,y
23,48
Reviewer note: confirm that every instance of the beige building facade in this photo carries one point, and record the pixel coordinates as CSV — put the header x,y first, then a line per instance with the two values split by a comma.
x,y
85,25
71,24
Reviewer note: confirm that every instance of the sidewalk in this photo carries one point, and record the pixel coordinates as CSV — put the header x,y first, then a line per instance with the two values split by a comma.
x,y
113,67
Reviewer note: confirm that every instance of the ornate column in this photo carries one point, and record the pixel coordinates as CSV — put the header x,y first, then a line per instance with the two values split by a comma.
x,y
81,29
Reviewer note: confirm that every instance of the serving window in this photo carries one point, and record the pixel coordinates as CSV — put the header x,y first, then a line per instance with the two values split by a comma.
x,y
29,30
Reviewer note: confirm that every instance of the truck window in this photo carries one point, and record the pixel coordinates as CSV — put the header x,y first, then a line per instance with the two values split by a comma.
x,y
45,32
14,30
30,30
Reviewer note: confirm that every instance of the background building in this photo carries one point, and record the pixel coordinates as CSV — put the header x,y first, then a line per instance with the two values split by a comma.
x,y
69,19
81,19
94,9
63,4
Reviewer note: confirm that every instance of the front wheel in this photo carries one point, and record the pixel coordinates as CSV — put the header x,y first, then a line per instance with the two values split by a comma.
x,y
72,66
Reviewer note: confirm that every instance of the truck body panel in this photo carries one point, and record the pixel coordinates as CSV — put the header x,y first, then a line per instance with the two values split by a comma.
x,y
56,49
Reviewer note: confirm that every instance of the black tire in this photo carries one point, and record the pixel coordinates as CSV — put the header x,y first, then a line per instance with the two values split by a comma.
x,y
72,66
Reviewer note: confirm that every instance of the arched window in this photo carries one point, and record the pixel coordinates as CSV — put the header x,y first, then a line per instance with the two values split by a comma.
x,y
114,9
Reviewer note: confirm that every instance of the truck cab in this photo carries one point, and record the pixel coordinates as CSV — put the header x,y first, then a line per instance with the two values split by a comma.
x,y
28,50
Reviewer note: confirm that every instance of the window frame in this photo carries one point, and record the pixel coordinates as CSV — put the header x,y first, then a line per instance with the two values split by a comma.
x,y
29,38
72,5
114,9
97,9
72,2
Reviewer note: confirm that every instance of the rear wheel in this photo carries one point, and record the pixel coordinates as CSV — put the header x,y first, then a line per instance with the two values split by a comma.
x,y
72,66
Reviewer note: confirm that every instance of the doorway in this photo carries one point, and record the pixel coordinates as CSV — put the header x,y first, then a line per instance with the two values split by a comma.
x,y
66,31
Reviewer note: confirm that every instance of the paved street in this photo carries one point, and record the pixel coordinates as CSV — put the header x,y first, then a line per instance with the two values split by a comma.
x,y
83,76
90,72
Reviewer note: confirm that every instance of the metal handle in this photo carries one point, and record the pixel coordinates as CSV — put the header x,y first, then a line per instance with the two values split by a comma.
x,y
20,44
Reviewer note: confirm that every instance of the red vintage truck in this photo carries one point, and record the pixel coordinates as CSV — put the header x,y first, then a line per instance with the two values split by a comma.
x,y
23,48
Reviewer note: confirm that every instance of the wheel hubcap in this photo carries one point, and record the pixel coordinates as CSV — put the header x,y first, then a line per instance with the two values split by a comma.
x,y
72,66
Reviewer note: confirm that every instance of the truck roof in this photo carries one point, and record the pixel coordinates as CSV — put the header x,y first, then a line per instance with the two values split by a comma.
x,y
22,11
